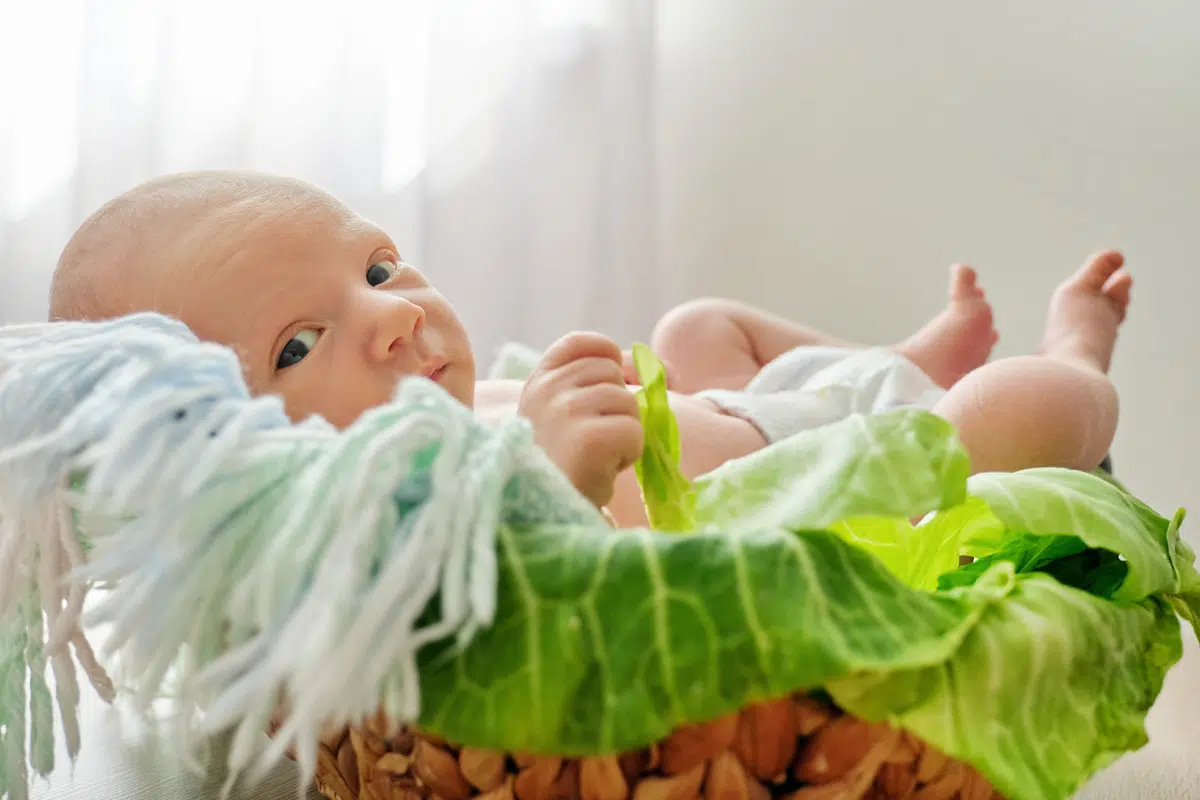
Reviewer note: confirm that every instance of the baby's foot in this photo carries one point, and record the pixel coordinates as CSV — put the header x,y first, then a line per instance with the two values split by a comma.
x,y
1086,311
957,340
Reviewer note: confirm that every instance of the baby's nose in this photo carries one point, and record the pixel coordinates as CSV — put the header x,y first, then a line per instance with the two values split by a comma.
x,y
398,324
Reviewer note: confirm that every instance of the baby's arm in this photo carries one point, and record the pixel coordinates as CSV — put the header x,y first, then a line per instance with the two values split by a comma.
x,y
713,343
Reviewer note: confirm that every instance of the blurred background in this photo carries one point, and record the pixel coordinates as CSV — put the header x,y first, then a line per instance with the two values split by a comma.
x,y
564,164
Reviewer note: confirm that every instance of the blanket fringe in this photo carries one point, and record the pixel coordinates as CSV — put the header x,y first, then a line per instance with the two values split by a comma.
x,y
247,560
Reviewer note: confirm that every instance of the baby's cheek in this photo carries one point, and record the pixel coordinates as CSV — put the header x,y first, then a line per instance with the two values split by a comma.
x,y
344,404
339,401
461,386
294,403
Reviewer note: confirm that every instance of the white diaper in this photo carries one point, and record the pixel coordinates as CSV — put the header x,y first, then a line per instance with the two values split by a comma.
x,y
808,387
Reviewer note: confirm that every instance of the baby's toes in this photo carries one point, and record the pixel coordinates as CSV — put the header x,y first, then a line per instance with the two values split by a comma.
x,y
1119,289
964,283
1094,274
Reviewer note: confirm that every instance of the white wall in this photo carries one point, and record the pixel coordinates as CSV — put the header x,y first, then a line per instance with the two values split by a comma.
x,y
830,159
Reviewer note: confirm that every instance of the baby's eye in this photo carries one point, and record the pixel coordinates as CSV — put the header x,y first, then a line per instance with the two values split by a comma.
x,y
381,272
297,348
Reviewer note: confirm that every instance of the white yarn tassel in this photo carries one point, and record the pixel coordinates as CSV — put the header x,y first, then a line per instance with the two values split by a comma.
x,y
249,559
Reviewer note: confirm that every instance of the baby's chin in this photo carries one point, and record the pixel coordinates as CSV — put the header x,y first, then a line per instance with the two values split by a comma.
x,y
459,383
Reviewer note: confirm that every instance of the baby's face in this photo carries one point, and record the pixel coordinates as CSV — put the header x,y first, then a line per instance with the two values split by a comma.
x,y
319,307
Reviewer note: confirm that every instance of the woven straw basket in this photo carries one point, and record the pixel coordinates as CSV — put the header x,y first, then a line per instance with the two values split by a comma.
x,y
797,748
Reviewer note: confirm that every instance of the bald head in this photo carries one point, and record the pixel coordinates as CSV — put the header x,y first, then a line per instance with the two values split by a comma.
x,y
314,299
120,253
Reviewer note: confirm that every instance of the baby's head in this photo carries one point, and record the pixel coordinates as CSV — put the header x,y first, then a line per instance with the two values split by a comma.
x,y
315,300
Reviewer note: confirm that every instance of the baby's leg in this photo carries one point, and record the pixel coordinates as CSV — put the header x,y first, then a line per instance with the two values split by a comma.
x,y
1057,408
960,338
713,343
721,344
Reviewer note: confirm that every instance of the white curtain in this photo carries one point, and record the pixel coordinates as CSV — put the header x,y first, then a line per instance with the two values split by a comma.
x,y
508,145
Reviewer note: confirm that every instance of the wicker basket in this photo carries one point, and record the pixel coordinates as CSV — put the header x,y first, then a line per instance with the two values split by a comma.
x,y
797,748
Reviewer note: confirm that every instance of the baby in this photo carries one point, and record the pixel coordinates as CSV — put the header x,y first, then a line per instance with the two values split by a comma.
x,y
322,310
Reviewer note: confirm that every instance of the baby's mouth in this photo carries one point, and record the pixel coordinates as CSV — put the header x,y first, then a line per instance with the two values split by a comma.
x,y
435,370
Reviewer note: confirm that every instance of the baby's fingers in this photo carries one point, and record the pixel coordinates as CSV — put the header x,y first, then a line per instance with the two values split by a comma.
x,y
590,371
580,345
601,400
620,439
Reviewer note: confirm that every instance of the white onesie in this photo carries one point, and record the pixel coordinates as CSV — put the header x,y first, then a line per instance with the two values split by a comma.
x,y
808,387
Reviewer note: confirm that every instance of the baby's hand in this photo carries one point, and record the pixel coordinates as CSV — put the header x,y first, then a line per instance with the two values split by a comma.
x,y
583,416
